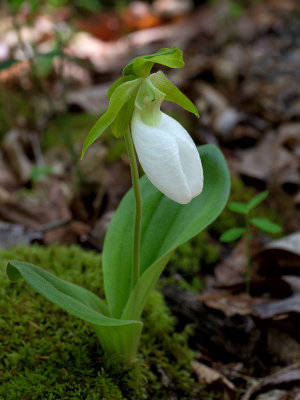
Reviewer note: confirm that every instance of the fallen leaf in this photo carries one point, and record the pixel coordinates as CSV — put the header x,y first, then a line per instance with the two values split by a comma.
x,y
14,149
230,304
211,378
280,257
274,308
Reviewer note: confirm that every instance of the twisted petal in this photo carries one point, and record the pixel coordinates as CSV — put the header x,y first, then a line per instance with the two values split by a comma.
x,y
169,157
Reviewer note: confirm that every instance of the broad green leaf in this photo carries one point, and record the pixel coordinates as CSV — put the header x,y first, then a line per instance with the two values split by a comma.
x,y
78,301
116,336
165,225
257,200
119,96
266,225
172,93
138,298
141,66
232,234
238,207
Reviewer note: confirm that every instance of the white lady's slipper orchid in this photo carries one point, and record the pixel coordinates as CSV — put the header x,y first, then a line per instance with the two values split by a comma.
x,y
168,156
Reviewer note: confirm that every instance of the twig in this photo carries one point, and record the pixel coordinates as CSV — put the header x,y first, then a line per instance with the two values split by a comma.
x,y
255,385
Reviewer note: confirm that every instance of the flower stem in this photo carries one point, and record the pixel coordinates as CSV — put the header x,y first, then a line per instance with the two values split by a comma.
x,y
138,209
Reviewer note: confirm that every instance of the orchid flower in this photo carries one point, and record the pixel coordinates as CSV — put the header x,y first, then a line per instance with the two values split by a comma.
x,y
168,156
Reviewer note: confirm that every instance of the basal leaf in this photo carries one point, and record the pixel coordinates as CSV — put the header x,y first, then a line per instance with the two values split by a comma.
x,y
172,93
116,336
118,97
165,225
78,301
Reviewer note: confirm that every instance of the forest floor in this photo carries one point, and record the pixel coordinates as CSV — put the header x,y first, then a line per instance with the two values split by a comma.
x,y
242,66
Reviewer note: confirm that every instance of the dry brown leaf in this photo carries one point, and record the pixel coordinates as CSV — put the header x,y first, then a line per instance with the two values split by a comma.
x,y
281,307
282,379
231,271
280,257
36,209
14,149
230,304
284,346
211,377
275,394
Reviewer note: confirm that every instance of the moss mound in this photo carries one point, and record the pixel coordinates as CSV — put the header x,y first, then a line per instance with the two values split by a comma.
x,y
48,354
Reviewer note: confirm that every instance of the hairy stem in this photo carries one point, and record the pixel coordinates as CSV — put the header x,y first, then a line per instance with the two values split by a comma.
x,y
138,210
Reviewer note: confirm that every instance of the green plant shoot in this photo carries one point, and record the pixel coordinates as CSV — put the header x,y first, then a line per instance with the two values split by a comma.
x,y
263,224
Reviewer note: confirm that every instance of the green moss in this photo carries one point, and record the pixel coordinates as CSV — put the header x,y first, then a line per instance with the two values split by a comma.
x,y
48,354
189,257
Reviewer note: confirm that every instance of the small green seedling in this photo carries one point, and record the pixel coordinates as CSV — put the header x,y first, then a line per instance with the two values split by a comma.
x,y
40,172
263,224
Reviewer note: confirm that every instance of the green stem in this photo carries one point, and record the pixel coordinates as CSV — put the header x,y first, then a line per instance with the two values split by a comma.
x,y
138,210
248,250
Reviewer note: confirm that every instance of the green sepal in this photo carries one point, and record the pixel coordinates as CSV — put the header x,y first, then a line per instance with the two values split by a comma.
x,y
123,119
148,102
119,95
232,234
265,225
119,82
141,66
172,93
